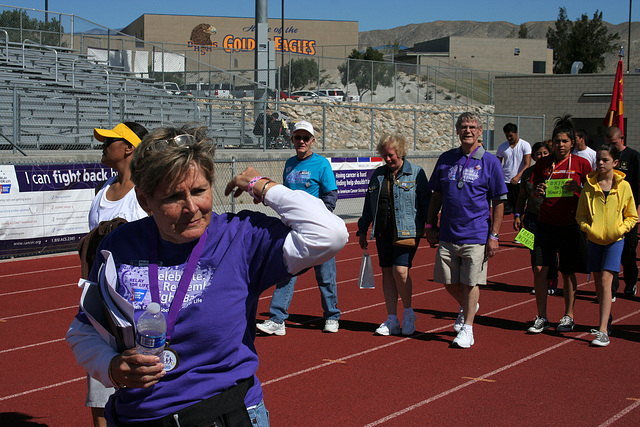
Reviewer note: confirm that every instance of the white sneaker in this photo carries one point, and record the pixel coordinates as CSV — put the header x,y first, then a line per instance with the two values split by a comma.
x,y
464,339
272,328
331,325
409,324
389,328
460,319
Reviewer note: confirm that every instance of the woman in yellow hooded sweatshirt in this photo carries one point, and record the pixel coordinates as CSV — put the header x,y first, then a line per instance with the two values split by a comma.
x,y
606,211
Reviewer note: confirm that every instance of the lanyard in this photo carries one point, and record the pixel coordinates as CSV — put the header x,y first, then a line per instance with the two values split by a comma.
x,y
183,285
555,167
465,165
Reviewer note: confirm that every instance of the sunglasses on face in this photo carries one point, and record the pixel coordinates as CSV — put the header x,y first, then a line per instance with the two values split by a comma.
x,y
184,140
109,141
305,138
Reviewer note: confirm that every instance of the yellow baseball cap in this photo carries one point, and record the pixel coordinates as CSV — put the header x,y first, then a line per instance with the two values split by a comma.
x,y
121,131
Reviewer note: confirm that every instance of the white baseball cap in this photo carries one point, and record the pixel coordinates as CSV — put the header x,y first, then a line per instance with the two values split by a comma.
x,y
304,125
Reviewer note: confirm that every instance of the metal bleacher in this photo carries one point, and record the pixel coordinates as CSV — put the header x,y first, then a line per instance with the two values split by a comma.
x,y
51,98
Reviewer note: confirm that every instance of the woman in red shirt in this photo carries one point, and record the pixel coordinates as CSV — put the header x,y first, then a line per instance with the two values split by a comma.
x,y
558,179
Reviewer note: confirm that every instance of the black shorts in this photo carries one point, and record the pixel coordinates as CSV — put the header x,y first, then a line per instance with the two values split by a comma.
x,y
389,255
566,242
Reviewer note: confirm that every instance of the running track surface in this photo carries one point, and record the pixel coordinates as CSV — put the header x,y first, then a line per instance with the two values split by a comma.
x,y
355,378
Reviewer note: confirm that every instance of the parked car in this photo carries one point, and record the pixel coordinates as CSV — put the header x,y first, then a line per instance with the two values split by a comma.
x,y
286,95
206,90
335,94
171,88
305,95
352,98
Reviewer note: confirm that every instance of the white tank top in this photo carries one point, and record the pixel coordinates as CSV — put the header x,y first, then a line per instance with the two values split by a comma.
x,y
104,210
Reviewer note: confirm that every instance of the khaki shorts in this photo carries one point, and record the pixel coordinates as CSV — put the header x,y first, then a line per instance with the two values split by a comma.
x,y
464,264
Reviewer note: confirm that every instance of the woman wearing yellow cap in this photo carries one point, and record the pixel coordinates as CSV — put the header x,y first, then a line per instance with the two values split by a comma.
x,y
116,198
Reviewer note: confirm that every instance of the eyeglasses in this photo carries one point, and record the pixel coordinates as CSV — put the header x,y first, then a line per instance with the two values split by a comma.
x,y
305,138
184,140
109,141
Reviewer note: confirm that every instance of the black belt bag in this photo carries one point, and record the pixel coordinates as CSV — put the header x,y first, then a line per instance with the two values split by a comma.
x,y
226,409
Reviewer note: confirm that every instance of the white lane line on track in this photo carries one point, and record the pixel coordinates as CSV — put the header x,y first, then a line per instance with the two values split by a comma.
x,y
8,350
2,319
620,414
2,276
499,370
46,288
42,388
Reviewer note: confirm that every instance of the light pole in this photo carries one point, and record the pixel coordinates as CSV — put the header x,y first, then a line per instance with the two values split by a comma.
x,y
628,38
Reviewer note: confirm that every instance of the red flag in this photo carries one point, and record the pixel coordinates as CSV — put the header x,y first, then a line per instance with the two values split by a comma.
x,y
615,116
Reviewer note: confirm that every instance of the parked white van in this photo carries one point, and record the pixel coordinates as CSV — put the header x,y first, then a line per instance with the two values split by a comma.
x,y
334,94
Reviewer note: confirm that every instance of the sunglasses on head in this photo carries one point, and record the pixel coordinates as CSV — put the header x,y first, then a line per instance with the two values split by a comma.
x,y
184,140
305,138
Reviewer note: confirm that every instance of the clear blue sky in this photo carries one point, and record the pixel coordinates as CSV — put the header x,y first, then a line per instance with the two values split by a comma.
x,y
371,14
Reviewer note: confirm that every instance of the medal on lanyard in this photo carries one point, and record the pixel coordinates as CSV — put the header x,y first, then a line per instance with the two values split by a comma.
x,y
460,174
170,358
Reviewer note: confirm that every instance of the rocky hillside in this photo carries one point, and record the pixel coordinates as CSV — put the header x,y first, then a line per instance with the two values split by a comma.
x,y
410,34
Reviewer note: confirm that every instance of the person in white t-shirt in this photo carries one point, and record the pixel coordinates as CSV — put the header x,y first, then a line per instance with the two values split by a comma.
x,y
515,156
116,198
583,150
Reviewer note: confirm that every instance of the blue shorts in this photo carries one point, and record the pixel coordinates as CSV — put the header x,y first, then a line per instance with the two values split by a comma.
x,y
605,257
389,255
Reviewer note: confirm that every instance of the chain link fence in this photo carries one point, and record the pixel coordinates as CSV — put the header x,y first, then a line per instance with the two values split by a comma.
x,y
349,209
228,70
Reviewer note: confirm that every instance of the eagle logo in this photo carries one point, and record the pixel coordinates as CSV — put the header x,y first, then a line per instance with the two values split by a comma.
x,y
201,34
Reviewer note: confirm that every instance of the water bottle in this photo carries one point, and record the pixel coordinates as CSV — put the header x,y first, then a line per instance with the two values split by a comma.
x,y
151,331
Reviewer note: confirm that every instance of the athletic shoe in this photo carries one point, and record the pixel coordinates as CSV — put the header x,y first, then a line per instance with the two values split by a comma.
x,y
331,325
389,328
613,298
460,319
566,324
272,328
409,324
539,324
630,291
602,339
464,339
552,286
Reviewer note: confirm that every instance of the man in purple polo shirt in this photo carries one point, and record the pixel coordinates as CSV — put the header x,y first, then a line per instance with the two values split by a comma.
x,y
466,182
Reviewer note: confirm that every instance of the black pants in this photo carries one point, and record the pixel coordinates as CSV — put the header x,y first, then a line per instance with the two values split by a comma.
x,y
513,190
628,261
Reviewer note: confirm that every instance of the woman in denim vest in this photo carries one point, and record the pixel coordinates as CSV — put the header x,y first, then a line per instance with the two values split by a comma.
x,y
396,203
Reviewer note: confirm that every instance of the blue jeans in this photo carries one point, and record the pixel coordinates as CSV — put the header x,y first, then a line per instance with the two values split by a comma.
x,y
259,415
326,278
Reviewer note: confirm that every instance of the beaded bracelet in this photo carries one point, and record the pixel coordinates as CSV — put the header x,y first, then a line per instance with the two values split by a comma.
x,y
110,371
264,190
494,236
251,184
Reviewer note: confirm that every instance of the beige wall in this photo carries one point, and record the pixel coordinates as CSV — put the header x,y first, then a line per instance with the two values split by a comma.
x,y
304,37
585,96
498,54
484,54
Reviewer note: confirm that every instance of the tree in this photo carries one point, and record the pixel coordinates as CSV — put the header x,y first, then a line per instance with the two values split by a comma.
x,y
47,33
586,40
523,32
303,71
366,70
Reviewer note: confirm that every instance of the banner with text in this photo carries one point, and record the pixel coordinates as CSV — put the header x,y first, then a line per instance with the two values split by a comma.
x,y
353,174
46,207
